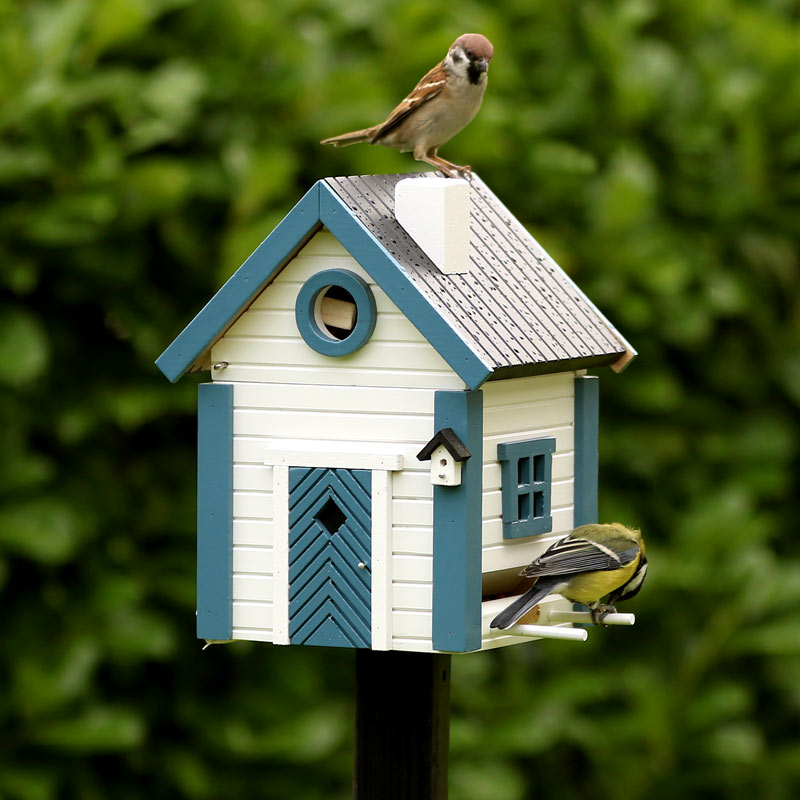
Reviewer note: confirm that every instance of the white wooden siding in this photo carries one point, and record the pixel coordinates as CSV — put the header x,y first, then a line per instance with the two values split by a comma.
x,y
516,410
361,420
264,345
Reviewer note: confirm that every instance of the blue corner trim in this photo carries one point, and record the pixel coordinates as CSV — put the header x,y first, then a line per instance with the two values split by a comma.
x,y
587,426
527,475
215,511
266,260
457,530
386,272
306,312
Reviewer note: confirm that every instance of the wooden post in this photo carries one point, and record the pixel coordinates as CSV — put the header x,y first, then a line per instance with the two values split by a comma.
x,y
402,725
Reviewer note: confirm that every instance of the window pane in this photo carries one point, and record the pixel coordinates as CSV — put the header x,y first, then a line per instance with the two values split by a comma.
x,y
538,504
538,468
523,507
523,471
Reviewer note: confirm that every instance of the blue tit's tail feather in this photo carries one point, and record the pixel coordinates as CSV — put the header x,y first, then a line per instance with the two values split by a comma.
x,y
523,604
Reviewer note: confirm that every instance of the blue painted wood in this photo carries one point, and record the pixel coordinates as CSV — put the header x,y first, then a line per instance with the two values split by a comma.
x,y
587,427
329,596
386,272
215,511
457,530
257,271
526,470
306,318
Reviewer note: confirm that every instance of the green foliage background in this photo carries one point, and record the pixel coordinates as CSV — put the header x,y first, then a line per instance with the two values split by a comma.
x,y
147,146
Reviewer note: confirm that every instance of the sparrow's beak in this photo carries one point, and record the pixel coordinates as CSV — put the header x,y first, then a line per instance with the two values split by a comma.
x,y
482,64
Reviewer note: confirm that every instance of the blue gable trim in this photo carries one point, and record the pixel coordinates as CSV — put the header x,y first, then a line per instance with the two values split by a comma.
x,y
587,425
388,274
294,230
215,511
319,206
457,530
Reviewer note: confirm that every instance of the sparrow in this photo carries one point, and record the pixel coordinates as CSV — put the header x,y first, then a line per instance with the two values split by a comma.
x,y
444,101
585,566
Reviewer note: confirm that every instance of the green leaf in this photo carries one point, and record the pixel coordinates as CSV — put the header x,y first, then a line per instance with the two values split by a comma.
x,y
24,347
46,530
102,729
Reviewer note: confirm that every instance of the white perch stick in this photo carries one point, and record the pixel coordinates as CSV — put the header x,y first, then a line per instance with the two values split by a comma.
x,y
586,617
547,632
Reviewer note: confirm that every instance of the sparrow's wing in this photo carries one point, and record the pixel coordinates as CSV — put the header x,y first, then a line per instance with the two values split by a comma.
x,y
570,555
430,85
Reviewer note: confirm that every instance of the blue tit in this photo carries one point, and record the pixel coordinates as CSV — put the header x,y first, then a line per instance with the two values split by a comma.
x,y
590,563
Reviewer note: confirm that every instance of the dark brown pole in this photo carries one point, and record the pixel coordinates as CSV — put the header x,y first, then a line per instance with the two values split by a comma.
x,y
402,725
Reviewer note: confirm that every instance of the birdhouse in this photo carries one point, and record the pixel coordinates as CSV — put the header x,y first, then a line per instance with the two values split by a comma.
x,y
397,419
445,451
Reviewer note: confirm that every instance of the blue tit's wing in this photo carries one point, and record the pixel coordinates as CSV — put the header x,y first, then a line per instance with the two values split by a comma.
x,y
571,555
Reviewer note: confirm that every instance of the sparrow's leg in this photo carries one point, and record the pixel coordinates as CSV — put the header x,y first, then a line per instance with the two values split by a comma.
x,y
449,169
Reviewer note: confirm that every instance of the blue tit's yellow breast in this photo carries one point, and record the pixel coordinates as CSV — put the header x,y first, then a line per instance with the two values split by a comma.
x,y
589,587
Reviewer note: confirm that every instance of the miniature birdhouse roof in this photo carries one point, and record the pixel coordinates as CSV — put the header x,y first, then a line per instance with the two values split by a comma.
x,y
515,312
447,438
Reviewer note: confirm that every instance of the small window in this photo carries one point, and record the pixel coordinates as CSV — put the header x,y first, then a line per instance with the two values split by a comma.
x,y
335,312
526,471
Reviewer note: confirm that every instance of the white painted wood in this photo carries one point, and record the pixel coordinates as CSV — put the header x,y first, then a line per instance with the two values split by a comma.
x,y
252,505
412,596
412,568
252,532
517,410
413,645
415,624
264,345
252,587
388,375
252,635
412,540
381,560
280,548
390,327
325,426
445,470
435,213
492,639
413,483
291,352
251,614
413,511
347,399
331,454
257,560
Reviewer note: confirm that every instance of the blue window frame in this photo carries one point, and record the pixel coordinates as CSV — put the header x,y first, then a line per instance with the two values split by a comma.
x,y
526,470
350,321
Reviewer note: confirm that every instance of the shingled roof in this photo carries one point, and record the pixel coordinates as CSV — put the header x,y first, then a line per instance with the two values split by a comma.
x,y
516,308
514,313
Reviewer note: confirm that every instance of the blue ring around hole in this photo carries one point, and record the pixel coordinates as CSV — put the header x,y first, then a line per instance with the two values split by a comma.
x,y
304,312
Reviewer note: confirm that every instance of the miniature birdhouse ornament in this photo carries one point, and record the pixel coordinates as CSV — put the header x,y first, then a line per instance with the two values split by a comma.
x,y
446,452
397,419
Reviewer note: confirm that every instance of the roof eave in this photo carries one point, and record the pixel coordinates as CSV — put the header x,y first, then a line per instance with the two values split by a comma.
x,y
189,351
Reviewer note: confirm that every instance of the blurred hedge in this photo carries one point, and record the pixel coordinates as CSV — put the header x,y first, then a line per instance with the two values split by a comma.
x,y
147,146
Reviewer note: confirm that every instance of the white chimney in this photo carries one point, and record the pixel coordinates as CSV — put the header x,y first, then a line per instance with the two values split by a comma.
x,y
435,213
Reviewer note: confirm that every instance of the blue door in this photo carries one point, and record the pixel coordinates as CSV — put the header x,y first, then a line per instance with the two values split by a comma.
x,y
329,556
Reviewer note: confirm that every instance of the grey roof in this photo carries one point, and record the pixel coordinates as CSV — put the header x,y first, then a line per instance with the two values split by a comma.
x,y
516,308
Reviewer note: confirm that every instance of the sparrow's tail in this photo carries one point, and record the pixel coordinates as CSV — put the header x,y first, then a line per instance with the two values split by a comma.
x,y
523,604
354,137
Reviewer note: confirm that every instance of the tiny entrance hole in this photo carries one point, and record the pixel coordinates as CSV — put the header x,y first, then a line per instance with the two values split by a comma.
x,y
331,517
